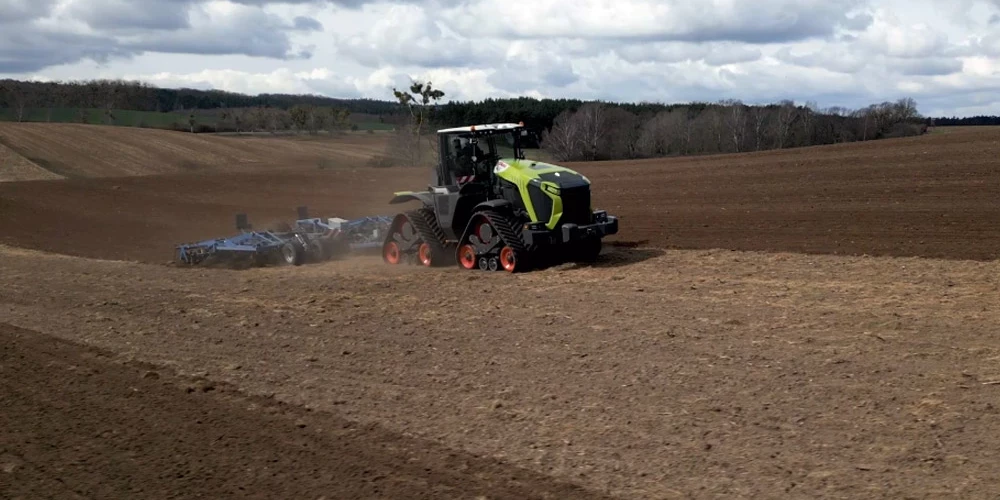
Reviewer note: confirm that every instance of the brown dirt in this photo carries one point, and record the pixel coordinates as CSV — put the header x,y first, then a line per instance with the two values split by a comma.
x,y
142,218
14,167
103,429
655,374
932,196
84,151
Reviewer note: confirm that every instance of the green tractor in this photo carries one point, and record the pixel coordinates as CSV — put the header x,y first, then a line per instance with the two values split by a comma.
x,y
488,207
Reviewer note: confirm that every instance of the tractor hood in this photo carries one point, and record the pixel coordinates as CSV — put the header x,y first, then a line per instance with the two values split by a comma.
x,y
531,170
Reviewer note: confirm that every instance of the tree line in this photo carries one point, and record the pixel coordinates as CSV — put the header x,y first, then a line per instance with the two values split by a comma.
x,y
600,131
979,120
571,129
140,96
299,118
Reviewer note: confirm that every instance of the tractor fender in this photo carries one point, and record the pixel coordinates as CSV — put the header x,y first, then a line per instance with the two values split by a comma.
x,y
499,205
405,196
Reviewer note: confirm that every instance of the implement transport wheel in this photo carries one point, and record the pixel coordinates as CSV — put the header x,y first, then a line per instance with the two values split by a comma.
x,y
292,254
391,253
507,259
316,251
424,254
467,256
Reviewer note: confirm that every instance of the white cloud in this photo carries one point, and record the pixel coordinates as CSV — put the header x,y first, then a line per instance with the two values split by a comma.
x,y
837,52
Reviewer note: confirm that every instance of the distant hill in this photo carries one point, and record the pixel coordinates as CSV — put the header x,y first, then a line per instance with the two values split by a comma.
x,y
568,129
51,150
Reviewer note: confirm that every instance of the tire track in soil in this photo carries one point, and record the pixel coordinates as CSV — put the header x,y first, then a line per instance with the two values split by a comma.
x,y
76,424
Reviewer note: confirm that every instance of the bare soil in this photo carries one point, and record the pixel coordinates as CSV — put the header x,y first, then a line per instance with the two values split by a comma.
x,y
655,374
929,196
932,196
716,353
88,151
14,167
105,429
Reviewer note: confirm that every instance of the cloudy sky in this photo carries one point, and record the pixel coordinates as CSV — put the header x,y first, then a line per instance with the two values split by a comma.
x,y
943,53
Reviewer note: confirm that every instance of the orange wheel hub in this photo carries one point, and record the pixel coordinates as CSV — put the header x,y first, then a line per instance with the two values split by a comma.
x,y
507,259
467,256
391,252
424,253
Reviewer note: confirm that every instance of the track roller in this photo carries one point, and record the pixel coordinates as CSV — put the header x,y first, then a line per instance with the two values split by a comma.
x,y
414,237
491,244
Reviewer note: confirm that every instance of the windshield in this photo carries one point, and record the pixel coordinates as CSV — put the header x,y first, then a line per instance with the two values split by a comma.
x,y
494,145
505,145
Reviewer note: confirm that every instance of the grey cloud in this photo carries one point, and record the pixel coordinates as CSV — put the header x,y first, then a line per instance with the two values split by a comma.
x,y
302,23
839,61
23,50
761,31
734,55
517,78
857,22
749,22
130,27
15,11
252,33
350,4
936,66
129,15
714,54
994,19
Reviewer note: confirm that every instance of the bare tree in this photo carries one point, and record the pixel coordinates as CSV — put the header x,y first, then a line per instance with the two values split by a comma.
x,y
736,122
619,134
317,120
758,119
783,123
685,119
300,116
110,92
654,135
667,132
563,140
592,117
19,96
417,99
715,114
339,119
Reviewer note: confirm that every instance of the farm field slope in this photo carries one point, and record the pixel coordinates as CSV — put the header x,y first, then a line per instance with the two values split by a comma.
x,y
82,151
104,429
700,374
14,167
930,196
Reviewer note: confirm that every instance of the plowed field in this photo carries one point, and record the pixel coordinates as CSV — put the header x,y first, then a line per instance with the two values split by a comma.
x,y
684,365
656,374
86,151
933,196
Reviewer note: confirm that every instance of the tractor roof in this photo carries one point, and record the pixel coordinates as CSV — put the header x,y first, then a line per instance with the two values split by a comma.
x,y
484,128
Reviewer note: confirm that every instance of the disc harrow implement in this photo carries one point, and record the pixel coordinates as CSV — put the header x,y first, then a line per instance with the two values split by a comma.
x,y
308,239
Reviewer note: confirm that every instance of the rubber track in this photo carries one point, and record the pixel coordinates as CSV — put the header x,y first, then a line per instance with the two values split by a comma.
x,y
510,237
425,223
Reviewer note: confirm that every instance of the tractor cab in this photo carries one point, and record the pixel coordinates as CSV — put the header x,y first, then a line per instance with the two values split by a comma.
x,y
469,154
